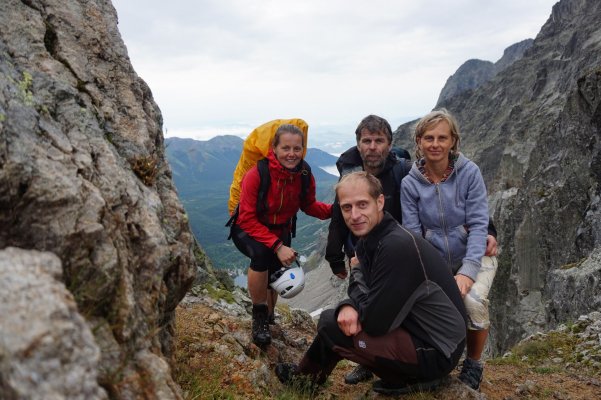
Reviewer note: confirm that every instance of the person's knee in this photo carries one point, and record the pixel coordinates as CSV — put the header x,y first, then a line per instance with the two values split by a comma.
x,y
329,331
477,311
327,321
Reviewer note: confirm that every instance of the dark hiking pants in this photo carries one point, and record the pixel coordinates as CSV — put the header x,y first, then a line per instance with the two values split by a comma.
x,y
395,357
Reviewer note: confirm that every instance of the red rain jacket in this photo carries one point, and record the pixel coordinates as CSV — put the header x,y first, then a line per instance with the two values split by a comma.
x,y
283,201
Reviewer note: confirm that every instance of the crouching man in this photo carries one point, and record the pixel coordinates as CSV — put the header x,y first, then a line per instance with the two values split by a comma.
x,y
404,319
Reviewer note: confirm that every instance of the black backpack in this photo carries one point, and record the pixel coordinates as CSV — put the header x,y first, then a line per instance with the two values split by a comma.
x,y
401,170
265,181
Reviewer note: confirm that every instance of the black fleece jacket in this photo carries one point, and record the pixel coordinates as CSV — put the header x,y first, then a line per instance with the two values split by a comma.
x,y
403,281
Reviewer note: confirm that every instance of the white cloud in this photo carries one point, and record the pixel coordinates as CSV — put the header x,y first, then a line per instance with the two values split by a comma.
x,y
233,64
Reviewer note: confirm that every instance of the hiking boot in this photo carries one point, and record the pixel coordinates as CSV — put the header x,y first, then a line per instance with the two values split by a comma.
x,y
359,374
272,319
394,389
286,372
471,373
260,325
290,376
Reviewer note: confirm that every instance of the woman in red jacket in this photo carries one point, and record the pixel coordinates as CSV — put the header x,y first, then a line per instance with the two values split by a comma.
x,y
266,237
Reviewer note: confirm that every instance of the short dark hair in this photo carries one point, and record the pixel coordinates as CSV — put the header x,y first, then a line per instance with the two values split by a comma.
x,y
373,184
374,124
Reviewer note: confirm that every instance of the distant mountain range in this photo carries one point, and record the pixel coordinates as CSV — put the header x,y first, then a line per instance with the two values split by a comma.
x,y
215,159
202,172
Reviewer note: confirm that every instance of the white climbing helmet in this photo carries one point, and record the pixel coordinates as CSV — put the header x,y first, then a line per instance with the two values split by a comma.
x,y
288,282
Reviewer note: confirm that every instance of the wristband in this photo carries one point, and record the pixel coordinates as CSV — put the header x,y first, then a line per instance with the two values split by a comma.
x,y
276,246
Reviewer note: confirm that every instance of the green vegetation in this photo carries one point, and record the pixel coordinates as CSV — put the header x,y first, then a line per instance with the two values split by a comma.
x,y
198,379
215,291
225,279
25,88
299,388
539,352
220,294
146,168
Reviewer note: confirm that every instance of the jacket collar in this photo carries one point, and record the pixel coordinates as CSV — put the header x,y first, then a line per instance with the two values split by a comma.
x,y
417,169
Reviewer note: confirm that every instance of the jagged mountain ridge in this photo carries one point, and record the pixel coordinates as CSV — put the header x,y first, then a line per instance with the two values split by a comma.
x,y
469,76
206,161
202,161
534,130
474,72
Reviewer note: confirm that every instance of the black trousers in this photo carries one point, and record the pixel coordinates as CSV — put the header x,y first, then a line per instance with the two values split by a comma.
x,y
261,257
396,357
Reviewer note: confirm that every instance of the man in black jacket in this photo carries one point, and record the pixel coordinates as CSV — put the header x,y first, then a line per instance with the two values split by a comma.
x,y
372,154
404,318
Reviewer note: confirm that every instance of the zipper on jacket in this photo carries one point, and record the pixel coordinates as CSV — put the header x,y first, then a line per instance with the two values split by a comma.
x,y
443,224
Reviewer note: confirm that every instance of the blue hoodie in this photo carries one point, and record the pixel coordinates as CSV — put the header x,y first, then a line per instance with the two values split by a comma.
x,y
452,215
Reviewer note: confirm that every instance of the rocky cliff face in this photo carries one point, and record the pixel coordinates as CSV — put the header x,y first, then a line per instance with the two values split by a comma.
x,y
534,130
512,54
83,175
474,73
470,75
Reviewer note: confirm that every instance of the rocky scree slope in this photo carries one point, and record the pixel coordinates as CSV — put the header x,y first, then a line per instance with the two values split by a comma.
x,y
83,175
561,364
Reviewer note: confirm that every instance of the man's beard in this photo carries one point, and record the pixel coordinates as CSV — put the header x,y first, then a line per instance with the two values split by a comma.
x,y
374,163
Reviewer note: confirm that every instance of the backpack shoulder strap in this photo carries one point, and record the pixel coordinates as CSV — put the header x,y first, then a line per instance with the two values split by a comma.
x,y
264,182
400,170
305,180
305,184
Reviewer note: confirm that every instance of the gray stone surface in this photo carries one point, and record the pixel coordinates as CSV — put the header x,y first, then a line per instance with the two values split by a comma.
x,y
470,75
575,288
83,175
47,350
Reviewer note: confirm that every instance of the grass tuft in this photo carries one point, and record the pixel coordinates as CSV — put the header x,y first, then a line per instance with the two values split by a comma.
x,y
146,168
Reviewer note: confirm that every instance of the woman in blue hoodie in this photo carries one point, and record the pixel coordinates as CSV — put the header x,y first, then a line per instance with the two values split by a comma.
x,y
444,199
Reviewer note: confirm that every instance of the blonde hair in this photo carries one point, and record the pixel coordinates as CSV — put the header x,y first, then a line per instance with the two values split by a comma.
x,y
374,186
432,119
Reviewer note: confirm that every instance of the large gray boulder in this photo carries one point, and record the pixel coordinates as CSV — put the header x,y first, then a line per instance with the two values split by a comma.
x,y
83,175
575,288
47,350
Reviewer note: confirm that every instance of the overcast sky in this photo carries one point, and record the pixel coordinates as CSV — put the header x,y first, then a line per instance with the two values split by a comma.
x,y
227,66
